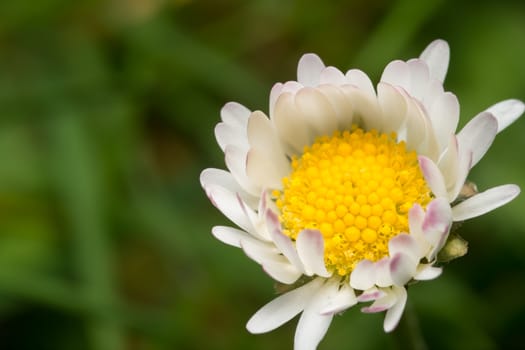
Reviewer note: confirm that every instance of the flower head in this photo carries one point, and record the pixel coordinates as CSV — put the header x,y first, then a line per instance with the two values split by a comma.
x,y
347,192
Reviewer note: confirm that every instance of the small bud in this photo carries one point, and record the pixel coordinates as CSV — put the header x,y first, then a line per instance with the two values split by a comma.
x,y
456,247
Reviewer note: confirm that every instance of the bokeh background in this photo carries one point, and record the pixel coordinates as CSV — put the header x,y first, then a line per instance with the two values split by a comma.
x,y
107,111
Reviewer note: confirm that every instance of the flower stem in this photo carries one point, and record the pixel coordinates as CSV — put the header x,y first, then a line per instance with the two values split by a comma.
x,y
408,334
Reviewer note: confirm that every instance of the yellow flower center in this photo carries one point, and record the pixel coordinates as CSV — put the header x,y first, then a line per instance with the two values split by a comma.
x,y
356,188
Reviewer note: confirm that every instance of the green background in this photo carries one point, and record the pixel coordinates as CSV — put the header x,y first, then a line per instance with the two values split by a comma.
x,y
107,111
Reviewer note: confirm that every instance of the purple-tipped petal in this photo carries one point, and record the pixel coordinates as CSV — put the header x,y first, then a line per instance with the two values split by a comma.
x,y
383,277
506,112
310,248
371,294
393,315
404,244
282,309
437,223
309,70
437,55
363,276
433,177
384,303
402,268
484,202
478,135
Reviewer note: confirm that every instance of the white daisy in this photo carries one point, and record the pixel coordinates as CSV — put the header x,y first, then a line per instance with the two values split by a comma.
x,y
347,192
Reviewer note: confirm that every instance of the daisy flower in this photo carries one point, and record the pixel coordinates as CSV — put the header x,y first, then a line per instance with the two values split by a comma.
x,y
346,192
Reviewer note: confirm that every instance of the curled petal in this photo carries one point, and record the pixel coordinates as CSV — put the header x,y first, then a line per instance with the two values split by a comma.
x,y
506,112
484,202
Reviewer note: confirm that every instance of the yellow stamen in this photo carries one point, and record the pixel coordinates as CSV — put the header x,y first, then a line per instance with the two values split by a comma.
x,y
356,187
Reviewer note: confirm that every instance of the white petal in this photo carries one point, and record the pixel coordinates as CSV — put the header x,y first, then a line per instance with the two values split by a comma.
x,y
229,135
223,178
448,165
282,242
433,177
367,111
484,202
289,123
230,235
363,276
359,79
437,55
394,106
235,114
402,268
280,271
340,103
282,309
262,171
341,298
309,70
444,114
312,325
280,88
235,159
478,135
261,252
506,112
463,167
316,110
393,315
397,73
263,137
231,205
310,247
419,78
427,272
333,76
